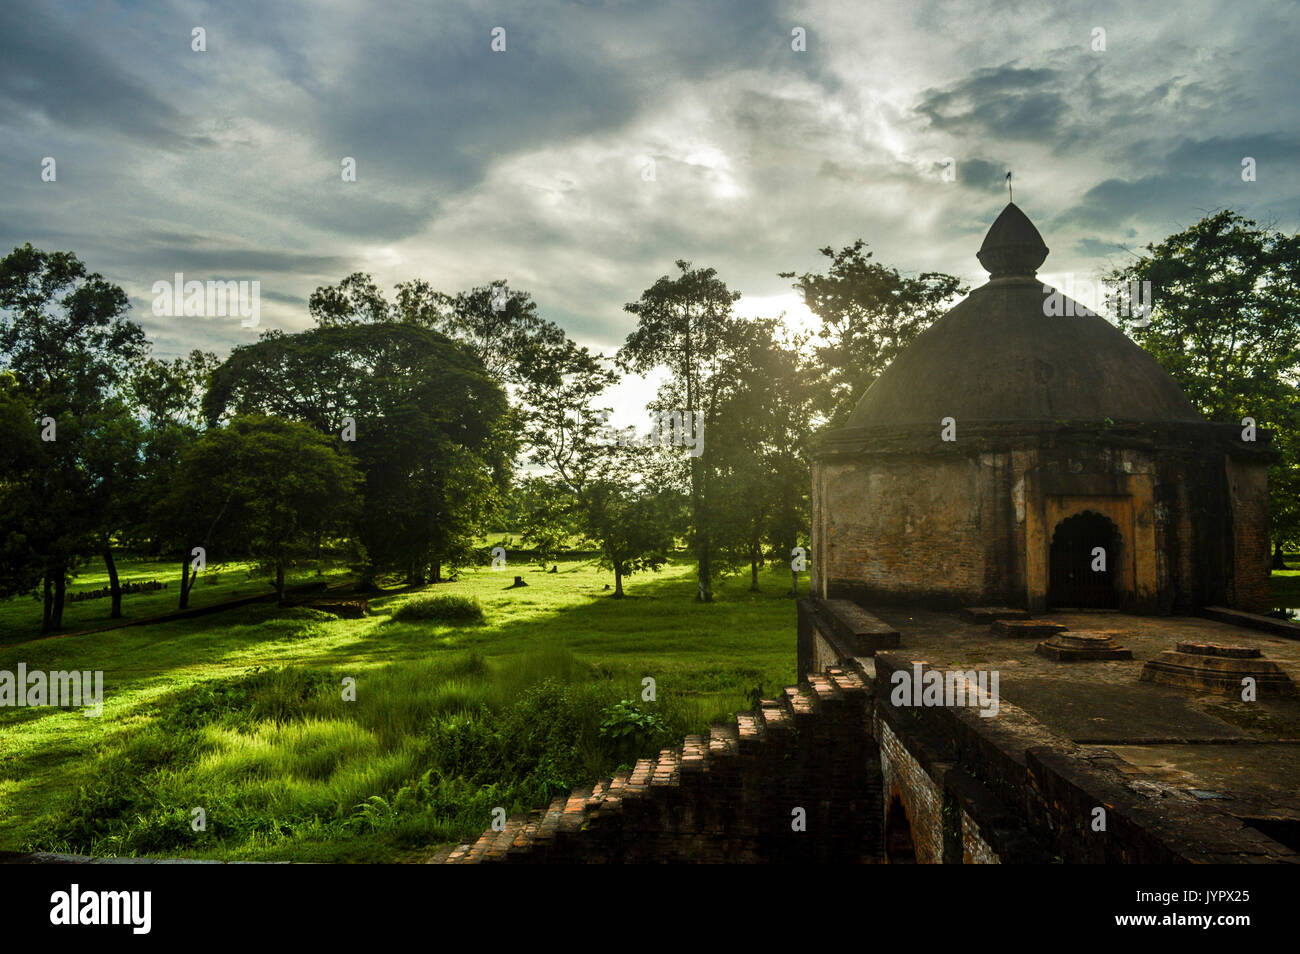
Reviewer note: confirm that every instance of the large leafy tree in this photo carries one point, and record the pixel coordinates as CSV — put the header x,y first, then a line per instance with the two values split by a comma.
x,y
69,349
1225,322
429,424
766,410
167,396
630,519
617,497
271,486
869,313
686,324
500,326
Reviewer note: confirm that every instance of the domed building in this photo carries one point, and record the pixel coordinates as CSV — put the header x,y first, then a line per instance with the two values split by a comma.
x,y
1021,453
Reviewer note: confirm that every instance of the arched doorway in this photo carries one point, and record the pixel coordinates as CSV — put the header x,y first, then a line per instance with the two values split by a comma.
x,y
1076,582
900,849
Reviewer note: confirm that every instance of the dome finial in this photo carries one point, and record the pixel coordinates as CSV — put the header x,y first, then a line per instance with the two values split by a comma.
x,y
1013,247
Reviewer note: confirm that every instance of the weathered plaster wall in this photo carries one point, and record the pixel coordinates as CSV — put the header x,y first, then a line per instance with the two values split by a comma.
x,y
908,529
897,520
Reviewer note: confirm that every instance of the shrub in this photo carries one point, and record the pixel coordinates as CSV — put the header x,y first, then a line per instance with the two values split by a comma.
x,y
442,609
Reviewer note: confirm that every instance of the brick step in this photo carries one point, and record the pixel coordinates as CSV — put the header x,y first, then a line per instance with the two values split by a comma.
x,y
695,755
668,768
442,856
724,740
749,726
698,755
847,681
458,855
499,845
575,810
639,780
612,800
598,793
550,823
523,843
799,702
480,848
823,690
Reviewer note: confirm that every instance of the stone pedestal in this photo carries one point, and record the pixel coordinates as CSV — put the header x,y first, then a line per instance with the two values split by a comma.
x,y
1217,668
1082,647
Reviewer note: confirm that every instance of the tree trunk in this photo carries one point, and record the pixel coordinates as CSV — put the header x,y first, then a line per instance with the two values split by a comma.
x,y
48,609
187,581
60,590
703,571
436,573
618,581
794,582
1279,560
753,575
705,594
279,579
114,584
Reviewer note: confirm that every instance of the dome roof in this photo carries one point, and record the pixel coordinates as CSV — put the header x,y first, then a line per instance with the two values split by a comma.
x,y
998,357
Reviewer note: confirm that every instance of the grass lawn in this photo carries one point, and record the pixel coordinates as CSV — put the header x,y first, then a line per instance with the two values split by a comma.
x,y
20,619
1286,585
241,714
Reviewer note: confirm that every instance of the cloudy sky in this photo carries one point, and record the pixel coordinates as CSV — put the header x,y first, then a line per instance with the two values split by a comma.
x,y
611,138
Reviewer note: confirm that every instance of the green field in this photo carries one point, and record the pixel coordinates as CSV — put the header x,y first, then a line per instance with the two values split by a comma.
x,y
1286,586
241,713
20,619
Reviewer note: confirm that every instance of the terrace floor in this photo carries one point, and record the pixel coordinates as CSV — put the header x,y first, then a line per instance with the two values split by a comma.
x,y
1239,758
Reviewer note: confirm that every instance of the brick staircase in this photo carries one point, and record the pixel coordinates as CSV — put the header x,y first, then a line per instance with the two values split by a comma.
x,y
727,796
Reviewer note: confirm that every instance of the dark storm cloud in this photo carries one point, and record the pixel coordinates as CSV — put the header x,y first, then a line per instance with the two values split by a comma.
x,y
1005,102
982,174
55,71
528,165
419,97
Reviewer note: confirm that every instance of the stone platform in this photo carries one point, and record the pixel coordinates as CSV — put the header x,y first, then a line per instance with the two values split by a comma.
x,y
1083,646
1217,667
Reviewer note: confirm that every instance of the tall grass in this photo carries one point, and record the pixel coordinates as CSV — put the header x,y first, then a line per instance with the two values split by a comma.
x,y
280,762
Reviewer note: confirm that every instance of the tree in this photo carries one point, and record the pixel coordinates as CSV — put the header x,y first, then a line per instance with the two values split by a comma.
x,y
630,522
1225,322
615,496
69,347
765,412
21,518
546,515
869,314
167,397
500,327
686,324
280,483
429,428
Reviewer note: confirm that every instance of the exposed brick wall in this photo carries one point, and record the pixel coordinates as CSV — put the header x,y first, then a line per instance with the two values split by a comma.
x,y
903,777
974,849
1248,488
886,531
898,518
726,798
